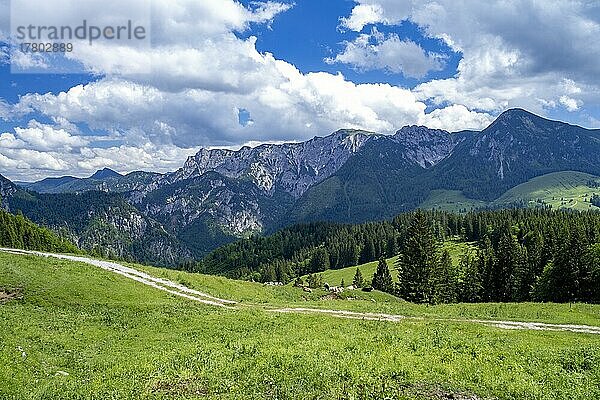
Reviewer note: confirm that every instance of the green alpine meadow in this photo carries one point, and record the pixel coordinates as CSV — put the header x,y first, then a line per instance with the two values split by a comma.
x,y
299,200
73,331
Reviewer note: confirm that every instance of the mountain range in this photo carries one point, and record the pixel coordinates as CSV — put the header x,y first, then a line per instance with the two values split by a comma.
x,y
349,176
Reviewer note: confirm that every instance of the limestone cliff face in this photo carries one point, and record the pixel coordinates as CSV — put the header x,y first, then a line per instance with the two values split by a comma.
x,y
291,167
424,146
7,188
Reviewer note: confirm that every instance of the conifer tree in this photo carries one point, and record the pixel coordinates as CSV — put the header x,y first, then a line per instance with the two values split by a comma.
x,y
358,281
368,252
470,285
486,263
417,261
503,274
594,254
382,279
444,280
320,260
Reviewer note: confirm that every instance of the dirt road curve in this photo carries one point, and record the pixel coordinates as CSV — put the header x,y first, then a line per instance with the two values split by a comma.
x,y
185,292
158,283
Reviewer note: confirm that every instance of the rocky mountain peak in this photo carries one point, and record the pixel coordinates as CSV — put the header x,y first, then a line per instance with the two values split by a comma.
x,y
425,146
291,167
7,188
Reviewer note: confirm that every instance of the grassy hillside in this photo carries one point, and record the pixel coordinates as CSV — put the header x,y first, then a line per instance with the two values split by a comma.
x,y
560,190
568,189
450,200
335,276
84,333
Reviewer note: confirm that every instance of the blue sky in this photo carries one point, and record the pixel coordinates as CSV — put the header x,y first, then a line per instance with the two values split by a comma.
x,y
232,73
322,37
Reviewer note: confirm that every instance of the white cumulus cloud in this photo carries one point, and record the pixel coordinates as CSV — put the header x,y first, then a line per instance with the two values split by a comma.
x,y
376,51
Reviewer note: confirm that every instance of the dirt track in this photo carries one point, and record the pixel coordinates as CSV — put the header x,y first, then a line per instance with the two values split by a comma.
x,y
158,283
190,294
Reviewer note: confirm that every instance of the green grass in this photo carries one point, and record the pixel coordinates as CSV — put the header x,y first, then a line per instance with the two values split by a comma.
x,y
458,249
118,339
567,189
451,201
560,190
335,276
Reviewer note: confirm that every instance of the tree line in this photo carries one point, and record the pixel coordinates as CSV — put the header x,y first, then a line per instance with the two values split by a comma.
x,y
18,232
520,255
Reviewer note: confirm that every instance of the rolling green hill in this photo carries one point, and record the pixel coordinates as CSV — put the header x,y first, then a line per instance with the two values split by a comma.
x,y
78,332
559,190
567,189
451,201
335,276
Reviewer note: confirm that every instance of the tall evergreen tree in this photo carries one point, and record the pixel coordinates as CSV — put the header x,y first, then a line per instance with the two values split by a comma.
x,y
382,279
503,274
522,278
417,261
486,263
320,260
443,280
368,252
569,266
470,284
594,257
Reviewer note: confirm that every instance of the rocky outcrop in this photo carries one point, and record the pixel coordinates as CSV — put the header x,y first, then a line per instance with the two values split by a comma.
x,y
291,167
424,146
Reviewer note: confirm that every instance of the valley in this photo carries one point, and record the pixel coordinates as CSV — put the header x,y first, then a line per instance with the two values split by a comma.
x,y
219,196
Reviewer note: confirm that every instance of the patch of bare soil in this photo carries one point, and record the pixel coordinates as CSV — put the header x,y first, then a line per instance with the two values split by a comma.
x,y
7,295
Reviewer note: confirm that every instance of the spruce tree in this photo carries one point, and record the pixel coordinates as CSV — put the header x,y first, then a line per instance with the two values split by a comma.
x,y
470,285
594,257
444,280
382,279
320,260
358,281
417,261
368,252
486,263
503,274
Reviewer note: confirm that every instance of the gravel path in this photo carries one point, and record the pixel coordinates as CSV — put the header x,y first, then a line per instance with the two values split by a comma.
x,y
138,276
185,292
534,326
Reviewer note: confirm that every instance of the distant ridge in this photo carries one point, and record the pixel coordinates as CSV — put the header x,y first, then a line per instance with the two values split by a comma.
x,y
350,176
105,173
